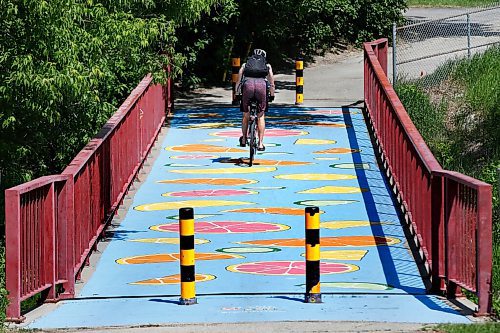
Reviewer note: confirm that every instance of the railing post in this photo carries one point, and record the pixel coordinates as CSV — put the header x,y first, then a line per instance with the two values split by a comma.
x,y
13,254
394,54
484,253
437,232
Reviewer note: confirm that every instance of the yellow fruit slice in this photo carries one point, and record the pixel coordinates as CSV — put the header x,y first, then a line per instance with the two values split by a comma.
x,y
315,176
342,255
174,279
334,190
347,224
314,142
337,151
189,203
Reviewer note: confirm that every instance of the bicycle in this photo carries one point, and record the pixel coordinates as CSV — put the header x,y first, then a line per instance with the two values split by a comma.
x,y
252,128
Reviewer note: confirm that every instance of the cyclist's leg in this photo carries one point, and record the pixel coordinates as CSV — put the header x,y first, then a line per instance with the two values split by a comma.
x,y
248,92
261,94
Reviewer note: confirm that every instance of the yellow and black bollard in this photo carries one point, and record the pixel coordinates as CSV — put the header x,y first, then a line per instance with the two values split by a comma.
x,y
299,81
234,77
186,232
313,291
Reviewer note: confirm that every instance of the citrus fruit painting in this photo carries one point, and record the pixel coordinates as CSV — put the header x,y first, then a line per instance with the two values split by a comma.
x,y
342,255
273,132
174,279
247,250
209,181
263,162
225,227
337,151
208,193
315,176
321,203
314,142
334,190
270,210
213,171
203,148
188,203
328,241
172,257
194,157
174,240
347,224
289,268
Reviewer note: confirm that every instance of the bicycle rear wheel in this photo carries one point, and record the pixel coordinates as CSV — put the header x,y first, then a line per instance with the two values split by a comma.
x,y
253,141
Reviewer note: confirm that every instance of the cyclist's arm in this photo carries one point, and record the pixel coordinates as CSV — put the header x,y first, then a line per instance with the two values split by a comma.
x,y
240,77
270,78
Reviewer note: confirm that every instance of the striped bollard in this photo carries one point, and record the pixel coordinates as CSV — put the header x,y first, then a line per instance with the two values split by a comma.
x,y
235,68
299,81
313,292
186,232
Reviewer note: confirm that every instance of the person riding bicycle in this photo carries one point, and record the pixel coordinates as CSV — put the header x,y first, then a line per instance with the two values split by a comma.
x,y
256,80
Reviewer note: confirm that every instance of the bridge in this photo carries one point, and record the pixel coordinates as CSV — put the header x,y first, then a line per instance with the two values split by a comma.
x,y
401,238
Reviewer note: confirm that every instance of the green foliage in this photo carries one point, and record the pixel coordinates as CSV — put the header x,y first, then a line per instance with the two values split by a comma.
x,y
468,140
469,328
284,28
3,291
450,3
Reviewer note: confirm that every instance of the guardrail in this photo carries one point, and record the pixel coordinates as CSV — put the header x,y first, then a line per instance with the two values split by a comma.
x,y
54,222
449,213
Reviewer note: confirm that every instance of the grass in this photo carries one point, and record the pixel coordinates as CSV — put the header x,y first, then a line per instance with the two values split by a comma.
x,y
458,118
461,328
449,3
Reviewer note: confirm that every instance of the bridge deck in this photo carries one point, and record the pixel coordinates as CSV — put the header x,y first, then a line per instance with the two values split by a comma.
x,y
250,229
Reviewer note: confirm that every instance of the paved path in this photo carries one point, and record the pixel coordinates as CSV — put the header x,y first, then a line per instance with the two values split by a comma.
x,y
250,229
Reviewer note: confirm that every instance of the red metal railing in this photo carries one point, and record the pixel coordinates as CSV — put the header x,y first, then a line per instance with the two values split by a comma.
x,y
54,222
450,213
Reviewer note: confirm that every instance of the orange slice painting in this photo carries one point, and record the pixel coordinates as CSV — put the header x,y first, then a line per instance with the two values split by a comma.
x,y
342,255
209,181
172,257
174,279
203,148
263,162
270,210
337,151
328,241
188,203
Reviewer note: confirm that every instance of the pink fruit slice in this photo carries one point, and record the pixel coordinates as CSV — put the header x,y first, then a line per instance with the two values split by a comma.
x,y
289,268
223,227
208,193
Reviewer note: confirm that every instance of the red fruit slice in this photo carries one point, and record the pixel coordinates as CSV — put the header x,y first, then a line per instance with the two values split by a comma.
x,y
289,268
208,193
223,227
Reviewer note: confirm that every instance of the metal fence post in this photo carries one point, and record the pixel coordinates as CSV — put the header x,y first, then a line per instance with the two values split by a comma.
x,y
394,70
468,35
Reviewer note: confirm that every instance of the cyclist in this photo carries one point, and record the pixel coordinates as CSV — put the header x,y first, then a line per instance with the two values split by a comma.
x,y
256,80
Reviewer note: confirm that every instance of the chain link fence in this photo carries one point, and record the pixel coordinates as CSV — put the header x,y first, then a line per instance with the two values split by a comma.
x,y
423,46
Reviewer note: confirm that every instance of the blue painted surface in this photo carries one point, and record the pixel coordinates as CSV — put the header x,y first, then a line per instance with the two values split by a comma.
x,y
389,265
